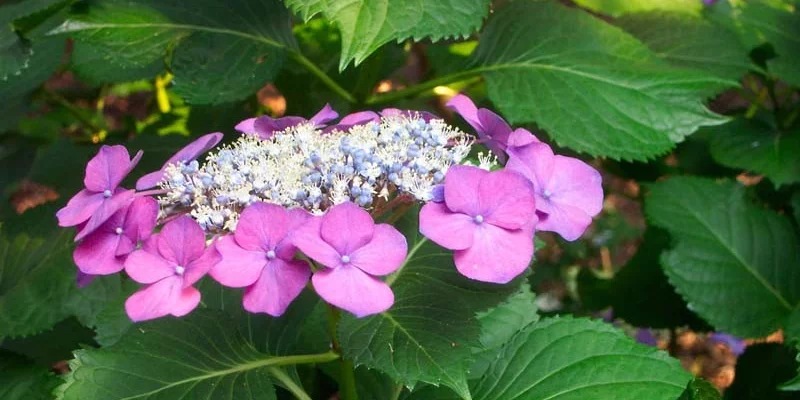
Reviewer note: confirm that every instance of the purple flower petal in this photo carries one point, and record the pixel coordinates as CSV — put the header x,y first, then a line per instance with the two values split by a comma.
x,y
79,208
108,206
496,255
109,167
181,241
279,283
140,219
323,116
450,230
569,222
189,152
199,267
575,183
285,248
262,226
239,267
351,289
97,254
83,280
495,131
266,126
347,227
383,254
507,199
426,116
247,126
464,106
521,137
461,189
359,118
310,242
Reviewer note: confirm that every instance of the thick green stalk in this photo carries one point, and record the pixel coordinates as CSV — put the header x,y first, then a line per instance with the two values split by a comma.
x,y
347,377
288,383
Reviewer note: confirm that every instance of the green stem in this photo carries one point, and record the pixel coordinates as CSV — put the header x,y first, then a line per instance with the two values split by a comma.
x,y
320,358
288,383
397,391
321,75
422,87
75,111
347,376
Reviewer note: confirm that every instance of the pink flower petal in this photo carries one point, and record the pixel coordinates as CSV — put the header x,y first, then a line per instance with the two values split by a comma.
x,y
187,300
239,267
146,267
97,254
108,168
79,208
464,106
262,226
359,118
391,112
310,242
121,198
496,255
496,129
150,180
297,218
347,227
140,219
351,289
279,283
187,153
246,126
323,116
568,221
154,301
450,230
199,267
521,137
383,254
507,199
575,183
535,161
461,189
266,126
181,241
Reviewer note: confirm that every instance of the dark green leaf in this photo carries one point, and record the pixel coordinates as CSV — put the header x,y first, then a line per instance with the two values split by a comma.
x,y
366,25
620,7
565,358
53,345
222,51
689,41
792,337
16,52
199,355
20,379
756,147
700,389
734,263
89,63
760,370
590,85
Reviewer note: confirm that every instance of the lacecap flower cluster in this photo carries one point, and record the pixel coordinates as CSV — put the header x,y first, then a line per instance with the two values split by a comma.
x,y
293,200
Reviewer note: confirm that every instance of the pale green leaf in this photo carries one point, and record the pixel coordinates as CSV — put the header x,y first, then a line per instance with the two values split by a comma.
x,y
759,148
21,379
590,85
734,263
576,359
691,42
366,25
616,8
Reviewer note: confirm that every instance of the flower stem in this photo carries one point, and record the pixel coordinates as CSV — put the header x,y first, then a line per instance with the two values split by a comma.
x,y
422,87
322,76
288,383
347,376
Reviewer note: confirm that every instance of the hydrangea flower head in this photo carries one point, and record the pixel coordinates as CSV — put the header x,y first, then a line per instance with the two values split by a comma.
x,y
102,196
185,155
170,262
568,191
493,130
265,126
103,251
259,255
353,251
487,219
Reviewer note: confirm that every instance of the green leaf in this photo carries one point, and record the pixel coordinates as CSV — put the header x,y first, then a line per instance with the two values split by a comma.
x,y
15,51
640,293
734,263
20,379
430,331
688,41
759,148
44,61
500,324
199,355
89,63
590,85
366,25
53,345
220,52
760,370
792,337
700,389
616,8
565,358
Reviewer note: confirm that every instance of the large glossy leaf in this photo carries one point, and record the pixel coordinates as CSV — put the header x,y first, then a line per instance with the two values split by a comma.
x,y
689,41
199,356
21,379
223,51
620,7
590,85
367,24
734,263
430,331
571,359
758,148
